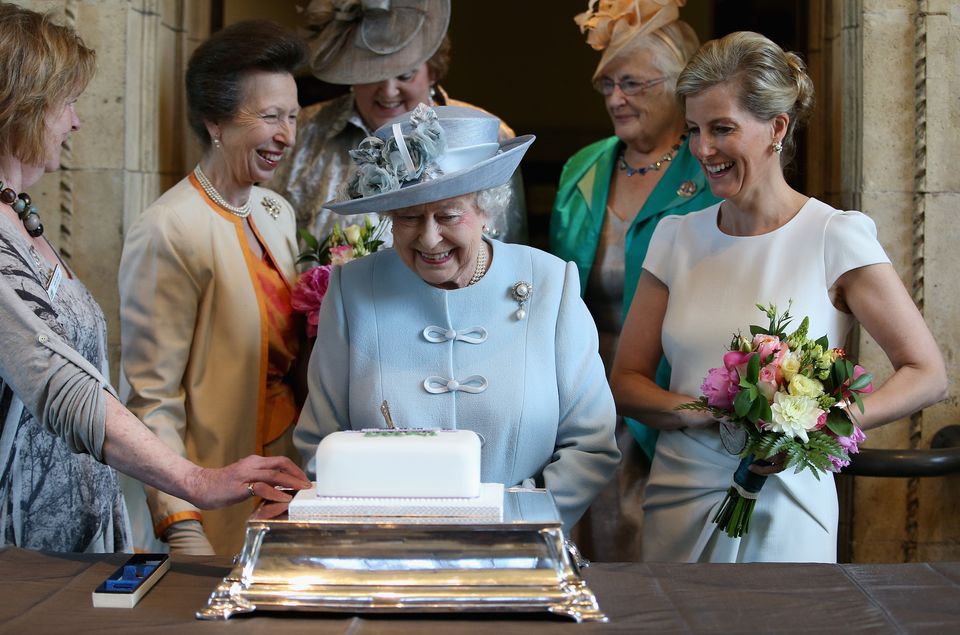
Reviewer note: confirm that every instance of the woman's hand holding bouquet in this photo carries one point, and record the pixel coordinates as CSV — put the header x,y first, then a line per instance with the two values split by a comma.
x,y
783,399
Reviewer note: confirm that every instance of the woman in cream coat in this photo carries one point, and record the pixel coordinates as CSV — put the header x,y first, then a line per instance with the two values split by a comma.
x,y
209,339
458,331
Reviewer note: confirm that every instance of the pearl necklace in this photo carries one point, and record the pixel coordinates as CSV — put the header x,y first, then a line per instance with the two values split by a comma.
x,y
242,211
481,265
653,167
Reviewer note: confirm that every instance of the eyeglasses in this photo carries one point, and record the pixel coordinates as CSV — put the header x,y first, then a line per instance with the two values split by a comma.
x,y
628,87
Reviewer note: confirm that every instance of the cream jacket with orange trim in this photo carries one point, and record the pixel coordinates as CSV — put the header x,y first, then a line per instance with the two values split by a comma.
x,y
194,339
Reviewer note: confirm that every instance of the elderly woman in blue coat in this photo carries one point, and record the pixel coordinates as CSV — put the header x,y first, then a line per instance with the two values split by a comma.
x,y
456,330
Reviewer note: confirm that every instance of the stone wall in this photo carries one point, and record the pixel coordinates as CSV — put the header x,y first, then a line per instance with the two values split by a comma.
x,y
133,142
888,117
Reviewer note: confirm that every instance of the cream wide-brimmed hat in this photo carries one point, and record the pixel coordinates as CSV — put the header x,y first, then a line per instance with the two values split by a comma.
x,y
365,41
616,25
427,155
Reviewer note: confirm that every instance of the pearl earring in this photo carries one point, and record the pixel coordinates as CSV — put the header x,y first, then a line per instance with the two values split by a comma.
x,y
778,147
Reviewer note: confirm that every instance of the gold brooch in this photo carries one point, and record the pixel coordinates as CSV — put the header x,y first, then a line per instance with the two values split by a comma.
x,y
687,189
272,206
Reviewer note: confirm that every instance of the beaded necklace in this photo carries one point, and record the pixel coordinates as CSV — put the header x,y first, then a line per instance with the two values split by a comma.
x,y
24,208
242,211
653,167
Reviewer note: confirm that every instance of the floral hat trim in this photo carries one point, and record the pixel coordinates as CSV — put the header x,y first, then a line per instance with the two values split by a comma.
x,y
611,25
386,165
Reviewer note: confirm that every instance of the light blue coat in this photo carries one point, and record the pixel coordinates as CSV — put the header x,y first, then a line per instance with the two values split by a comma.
x,y
533,389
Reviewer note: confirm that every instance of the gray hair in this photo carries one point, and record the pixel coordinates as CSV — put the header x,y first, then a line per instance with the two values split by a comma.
x,y
672,45
494,201
770,80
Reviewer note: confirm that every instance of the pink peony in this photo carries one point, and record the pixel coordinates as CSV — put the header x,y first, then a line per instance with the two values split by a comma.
x,y
341,254
720,387
308,294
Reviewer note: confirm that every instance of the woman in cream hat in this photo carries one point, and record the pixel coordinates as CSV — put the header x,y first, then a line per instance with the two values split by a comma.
x,y
392,54
455,329
611,196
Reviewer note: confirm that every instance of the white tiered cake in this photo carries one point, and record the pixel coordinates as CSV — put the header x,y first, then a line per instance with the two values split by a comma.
x,y
399,473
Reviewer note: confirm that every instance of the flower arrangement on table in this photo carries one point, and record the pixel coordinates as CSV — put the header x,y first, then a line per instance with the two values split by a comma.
x,y
780,393
340,247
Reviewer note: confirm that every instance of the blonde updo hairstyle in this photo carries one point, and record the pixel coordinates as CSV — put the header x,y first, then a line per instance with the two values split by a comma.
x,y
771,81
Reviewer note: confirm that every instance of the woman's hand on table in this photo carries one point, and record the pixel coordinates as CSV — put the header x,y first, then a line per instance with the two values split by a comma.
x,y
250,476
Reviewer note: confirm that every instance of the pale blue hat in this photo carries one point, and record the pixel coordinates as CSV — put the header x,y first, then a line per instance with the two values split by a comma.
x,y
426,155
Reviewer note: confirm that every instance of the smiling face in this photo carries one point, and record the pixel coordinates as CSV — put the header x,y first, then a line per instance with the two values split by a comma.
x,y
440,241
380,102
60,122
641,120
254,140
735,149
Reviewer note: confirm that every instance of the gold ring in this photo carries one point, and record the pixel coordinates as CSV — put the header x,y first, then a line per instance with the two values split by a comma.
x,y
250,489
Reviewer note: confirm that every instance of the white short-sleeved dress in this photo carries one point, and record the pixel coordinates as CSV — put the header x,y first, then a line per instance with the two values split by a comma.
x,y
715,281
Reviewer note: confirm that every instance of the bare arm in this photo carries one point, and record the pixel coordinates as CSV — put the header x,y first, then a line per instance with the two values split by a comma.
x,y
132,449
876,297
635,366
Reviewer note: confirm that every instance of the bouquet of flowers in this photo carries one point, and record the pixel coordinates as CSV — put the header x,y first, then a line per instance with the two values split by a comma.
x,y
340,247
786,394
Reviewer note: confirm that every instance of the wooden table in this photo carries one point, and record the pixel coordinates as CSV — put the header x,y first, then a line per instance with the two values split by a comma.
x,y
50,593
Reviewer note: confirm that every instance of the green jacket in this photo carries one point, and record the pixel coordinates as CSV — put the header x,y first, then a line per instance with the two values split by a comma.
x,y
580,208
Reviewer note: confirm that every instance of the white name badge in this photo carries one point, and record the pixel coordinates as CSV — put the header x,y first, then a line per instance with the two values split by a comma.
x,y
54,284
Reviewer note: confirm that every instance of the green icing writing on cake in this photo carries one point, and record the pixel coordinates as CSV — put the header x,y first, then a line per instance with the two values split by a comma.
x,y
400,433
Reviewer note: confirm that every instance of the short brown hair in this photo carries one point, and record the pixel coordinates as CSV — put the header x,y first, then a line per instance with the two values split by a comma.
x,y
42,65
217,68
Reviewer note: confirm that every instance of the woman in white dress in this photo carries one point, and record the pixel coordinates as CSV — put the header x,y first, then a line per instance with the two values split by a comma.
x,y
704,274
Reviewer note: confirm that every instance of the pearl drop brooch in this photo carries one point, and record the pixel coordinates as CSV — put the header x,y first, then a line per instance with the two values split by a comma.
x,y
521,292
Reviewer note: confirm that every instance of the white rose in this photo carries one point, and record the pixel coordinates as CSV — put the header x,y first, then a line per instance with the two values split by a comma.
x,y
803,386
352,233
794,415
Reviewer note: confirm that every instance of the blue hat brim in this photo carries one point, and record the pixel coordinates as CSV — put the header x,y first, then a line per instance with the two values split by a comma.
x,y
488,173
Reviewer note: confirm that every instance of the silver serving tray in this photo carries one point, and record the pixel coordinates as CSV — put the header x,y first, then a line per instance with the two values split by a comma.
x,y
359,565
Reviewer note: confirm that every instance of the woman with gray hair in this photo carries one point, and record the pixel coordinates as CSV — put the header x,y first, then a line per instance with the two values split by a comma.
x,y
702,279
611,196
457,330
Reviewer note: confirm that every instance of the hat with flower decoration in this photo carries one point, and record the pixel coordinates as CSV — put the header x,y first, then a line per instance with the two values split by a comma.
x,y
365,41
426,155
614,26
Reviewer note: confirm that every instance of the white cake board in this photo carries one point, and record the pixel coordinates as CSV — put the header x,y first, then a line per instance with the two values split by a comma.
x,y
488,506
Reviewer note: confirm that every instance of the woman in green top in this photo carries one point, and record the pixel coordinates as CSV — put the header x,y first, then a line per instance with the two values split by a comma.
x,y
613,192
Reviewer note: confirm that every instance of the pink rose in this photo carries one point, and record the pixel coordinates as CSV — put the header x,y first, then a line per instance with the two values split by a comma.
x,y
821,421
720,387
736,360
308,294
341,254
767,381
768,345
